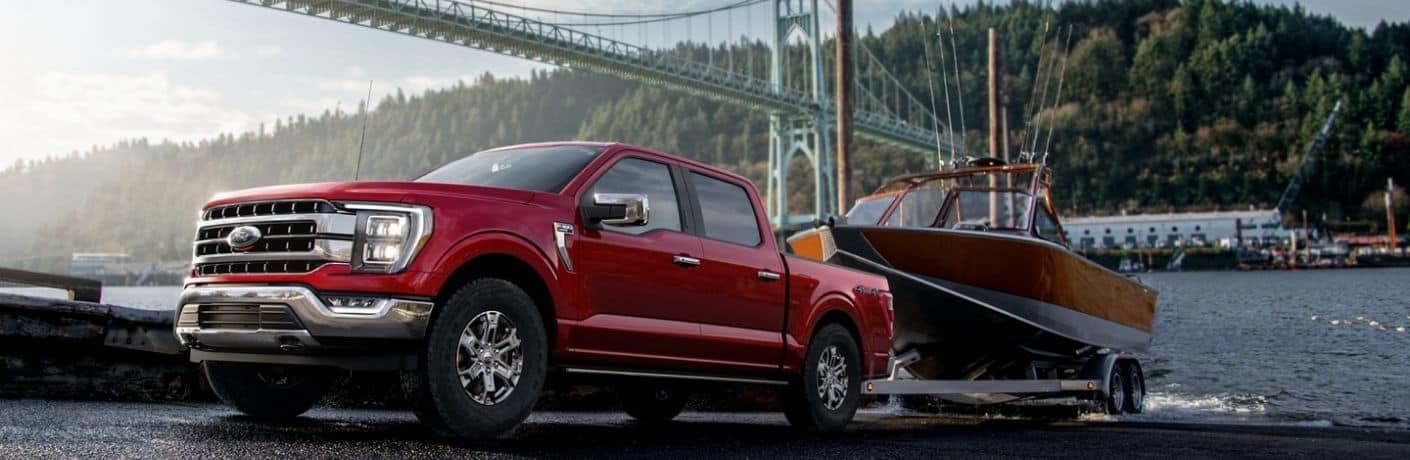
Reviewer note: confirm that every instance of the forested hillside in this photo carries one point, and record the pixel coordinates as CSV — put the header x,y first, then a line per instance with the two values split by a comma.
x,y
1166,105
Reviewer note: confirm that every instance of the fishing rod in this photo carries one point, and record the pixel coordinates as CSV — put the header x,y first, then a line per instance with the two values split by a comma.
x,y
1062,74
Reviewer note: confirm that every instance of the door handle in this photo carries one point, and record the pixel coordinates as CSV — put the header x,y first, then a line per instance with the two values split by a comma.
x,y
769,276
686,261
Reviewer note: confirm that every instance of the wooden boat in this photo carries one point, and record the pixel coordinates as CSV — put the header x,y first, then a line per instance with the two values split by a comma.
x,y
985,286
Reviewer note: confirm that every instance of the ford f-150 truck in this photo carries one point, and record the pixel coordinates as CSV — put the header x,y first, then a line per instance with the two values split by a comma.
x,y
484,277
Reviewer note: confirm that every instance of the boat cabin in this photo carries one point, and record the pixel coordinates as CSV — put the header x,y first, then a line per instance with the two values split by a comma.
x,y
1011,199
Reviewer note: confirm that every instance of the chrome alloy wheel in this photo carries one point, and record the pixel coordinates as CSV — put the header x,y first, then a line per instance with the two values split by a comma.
x,y
1117,392
489,359
832,378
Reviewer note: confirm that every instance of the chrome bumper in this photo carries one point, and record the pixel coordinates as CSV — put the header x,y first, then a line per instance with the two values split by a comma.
x,y
390,318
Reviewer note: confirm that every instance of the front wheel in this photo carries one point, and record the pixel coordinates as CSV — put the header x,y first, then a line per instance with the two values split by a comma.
x,y
269,392
485,361
825,396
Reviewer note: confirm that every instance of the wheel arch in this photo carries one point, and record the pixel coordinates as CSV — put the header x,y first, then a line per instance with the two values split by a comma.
x,y
504,257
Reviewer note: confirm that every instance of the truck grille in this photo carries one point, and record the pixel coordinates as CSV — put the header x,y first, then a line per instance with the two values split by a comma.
x,y
296,236
269,208
239,317
241,268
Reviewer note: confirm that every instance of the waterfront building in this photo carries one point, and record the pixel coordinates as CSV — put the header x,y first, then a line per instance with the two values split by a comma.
x,y
1190,229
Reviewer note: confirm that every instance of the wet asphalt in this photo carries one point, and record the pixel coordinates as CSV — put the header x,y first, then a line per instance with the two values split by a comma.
x,y
80,429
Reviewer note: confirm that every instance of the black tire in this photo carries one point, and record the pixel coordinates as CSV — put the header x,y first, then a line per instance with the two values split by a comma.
x,y
269,392
418,397
1135,387
804,407
654,402
1116,391
447,398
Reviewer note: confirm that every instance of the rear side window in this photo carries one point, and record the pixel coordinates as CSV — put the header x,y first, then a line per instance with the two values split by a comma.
x,y
635,175
727,211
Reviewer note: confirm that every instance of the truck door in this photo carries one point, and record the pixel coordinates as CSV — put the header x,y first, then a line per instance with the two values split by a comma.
x,y
741,312
634,277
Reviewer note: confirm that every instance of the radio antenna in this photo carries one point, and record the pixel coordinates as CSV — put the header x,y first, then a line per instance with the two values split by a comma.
x,y
366,112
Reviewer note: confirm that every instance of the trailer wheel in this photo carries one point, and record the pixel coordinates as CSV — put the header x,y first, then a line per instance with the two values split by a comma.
x,y
824,398
1136,387
485,361
654,402
1116,391
269,392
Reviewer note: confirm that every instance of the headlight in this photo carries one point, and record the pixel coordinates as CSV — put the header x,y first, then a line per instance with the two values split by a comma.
x,y
388,236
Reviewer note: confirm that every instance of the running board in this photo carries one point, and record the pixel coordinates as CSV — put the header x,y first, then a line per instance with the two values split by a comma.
x,y
667,375
941,387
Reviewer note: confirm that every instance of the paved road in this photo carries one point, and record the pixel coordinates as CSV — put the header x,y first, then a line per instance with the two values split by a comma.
x,y
44,429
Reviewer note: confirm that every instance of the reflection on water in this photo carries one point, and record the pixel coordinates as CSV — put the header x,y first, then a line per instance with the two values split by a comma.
x,y
1307,347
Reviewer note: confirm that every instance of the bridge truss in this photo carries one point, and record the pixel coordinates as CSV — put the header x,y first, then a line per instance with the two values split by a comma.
x,y
885,112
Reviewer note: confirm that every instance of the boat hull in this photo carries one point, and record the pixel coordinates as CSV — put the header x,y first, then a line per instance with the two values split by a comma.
x,y
974,302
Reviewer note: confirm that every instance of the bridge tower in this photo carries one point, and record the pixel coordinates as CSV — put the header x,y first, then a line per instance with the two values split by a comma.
x,y
805,133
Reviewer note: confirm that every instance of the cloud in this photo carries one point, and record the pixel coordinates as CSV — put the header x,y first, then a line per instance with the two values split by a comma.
x,y
88,106
269,51
180,50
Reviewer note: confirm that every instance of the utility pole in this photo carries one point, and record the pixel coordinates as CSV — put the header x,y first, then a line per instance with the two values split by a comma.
x,y
1390,212
844,101
995,131
995,134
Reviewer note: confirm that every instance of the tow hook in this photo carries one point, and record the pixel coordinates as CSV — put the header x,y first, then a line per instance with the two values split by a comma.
x,y
290,344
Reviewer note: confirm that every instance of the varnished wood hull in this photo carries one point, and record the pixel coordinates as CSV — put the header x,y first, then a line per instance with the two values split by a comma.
x,y
974,301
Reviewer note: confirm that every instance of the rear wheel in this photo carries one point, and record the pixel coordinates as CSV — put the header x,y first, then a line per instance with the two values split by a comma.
x,y
824,398
485,361
654,402
269,392
1116,390
1135,387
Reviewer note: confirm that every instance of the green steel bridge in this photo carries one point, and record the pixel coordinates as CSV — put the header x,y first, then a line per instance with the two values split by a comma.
x,y
801,112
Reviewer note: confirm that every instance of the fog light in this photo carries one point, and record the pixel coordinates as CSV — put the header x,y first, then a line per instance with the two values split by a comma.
x,y
353,304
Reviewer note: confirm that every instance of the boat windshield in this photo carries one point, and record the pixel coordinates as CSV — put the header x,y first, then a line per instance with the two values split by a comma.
x,y
979,209
983,201
868,210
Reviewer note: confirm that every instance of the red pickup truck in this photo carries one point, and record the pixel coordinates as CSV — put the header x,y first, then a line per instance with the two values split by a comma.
x,y
485,277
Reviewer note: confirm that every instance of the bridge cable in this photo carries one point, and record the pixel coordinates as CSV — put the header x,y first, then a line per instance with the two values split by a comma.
x,y
692,14
526,8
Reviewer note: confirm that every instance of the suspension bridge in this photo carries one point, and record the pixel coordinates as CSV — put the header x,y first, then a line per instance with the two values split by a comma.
x,y
792,83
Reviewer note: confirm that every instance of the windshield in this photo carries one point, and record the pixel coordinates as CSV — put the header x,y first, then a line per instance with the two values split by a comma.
x,y
988,210
867,211
541,169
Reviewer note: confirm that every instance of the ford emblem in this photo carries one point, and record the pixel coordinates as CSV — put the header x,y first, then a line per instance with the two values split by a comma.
x,y
243,238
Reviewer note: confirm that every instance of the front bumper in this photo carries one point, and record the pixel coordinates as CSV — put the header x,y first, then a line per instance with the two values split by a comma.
x,y
291,319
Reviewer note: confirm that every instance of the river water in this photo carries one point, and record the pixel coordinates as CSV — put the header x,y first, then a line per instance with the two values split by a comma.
x,y
1307,347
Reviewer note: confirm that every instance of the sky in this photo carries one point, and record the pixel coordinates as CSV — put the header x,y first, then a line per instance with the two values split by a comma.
x,y
92,72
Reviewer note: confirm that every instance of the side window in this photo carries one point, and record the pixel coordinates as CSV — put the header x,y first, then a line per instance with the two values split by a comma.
x,y
635,175
1046,227
727,210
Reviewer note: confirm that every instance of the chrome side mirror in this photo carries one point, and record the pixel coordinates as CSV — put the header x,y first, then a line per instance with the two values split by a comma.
x,y
619,209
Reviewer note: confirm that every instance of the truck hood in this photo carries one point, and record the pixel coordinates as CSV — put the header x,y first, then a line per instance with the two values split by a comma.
x,y
383,191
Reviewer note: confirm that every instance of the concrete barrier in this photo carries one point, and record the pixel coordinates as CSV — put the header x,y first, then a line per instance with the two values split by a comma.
x,y
56,348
